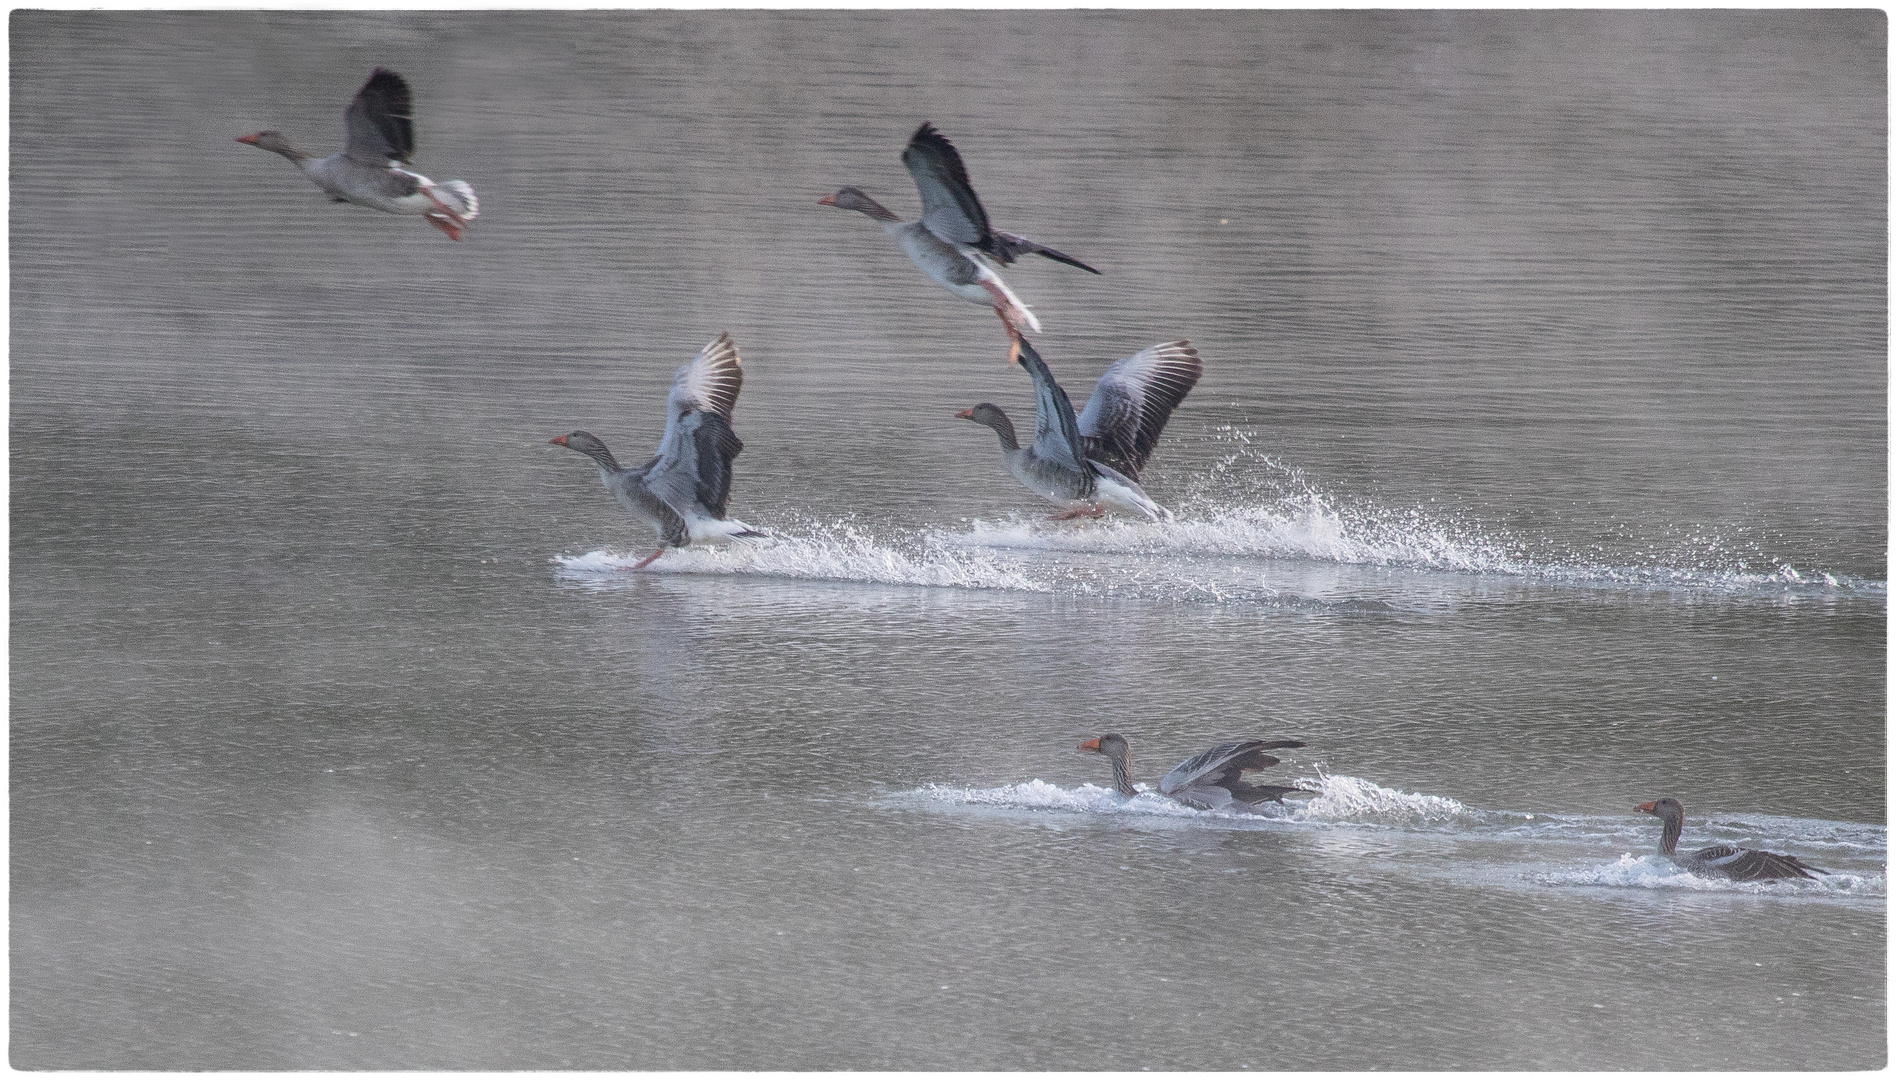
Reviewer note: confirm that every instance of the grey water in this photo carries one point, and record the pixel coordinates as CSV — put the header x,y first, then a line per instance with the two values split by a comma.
x,y
1538,470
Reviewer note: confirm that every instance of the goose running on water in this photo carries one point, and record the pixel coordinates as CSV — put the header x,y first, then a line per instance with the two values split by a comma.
x,y
682,491
379,140
1739,864
1208,781
954,243
1093,461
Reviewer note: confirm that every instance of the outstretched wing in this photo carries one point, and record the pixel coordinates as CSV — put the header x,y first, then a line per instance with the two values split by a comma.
x,y
1012,247
1745,864
693,470
1056,434
379,125
695,453
1221,765
1132,402
710,383
950,209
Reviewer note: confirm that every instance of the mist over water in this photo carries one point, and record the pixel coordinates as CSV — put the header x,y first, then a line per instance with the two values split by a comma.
x,y
1538,470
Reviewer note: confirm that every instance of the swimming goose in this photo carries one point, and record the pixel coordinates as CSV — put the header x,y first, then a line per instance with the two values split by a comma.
x,y
1739,864
953,243
682,491
379,140
1207,781
1091,462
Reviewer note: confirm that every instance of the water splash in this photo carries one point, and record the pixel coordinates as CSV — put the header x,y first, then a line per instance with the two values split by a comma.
x,y
838,552
1247,531
1340,800
1349,798
1653,872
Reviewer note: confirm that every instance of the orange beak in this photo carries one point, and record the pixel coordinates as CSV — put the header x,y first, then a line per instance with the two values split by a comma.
x,y
250,140
1090,744
557,440
965,414
1646,807
827,200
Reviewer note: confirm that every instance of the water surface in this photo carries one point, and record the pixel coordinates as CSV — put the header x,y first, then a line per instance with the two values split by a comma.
x,y
1538,470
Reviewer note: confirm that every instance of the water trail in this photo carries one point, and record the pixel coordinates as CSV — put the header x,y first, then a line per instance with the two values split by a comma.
x,y
1247,531
839,552
1480,847
1340,800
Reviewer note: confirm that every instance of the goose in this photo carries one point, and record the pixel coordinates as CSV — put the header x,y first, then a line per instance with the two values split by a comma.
x,y
1091,462
379,140
1206,781
953,243
682,491
1739,864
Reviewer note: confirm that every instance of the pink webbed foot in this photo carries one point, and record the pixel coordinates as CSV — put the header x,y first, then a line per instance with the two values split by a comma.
x,y
1093,511
645,562
446,224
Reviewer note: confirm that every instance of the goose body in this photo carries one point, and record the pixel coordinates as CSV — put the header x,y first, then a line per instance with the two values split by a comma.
x,y
683,489
1093,461
1211,780
1738,864
370,170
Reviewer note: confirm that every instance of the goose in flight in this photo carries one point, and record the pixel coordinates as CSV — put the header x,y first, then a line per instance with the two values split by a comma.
x,y
379,140
954,243
681,491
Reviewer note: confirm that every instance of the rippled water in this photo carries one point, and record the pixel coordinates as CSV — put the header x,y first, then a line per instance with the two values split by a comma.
x,y
1538,470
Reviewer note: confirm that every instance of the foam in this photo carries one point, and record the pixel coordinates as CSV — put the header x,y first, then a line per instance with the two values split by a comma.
x,y
1653,872
836,553
1341,800
1351,799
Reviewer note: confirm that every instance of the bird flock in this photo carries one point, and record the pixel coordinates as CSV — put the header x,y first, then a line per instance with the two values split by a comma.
x,y
1084,463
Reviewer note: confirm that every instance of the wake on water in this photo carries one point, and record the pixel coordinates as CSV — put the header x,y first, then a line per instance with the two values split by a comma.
x,y
1847,850
1247,531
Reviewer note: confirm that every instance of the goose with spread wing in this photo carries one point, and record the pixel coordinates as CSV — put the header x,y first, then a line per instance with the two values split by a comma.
x,y
682,491
1212,780
379,140
1739,864
954,243
1093,461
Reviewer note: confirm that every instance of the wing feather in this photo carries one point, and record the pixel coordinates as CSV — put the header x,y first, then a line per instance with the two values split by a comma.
x,y
1056,433
1221,765
1015,246
1133,401
1746,864
693,470
950,209
379,123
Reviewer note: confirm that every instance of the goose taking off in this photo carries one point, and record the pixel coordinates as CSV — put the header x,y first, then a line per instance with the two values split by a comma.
x,y
1088,463
1207,781
681,492
379,140
953,243
1739,864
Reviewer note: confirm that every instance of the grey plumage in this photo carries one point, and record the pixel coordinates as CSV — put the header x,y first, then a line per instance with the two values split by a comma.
x,y
1078,462
1738,864
683,490
379,140
1210,780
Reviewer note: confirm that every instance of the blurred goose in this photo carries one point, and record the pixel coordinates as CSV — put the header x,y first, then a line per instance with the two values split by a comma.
x,y
1208,781
379,140
953,242
1091,462
1739,864
681,492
